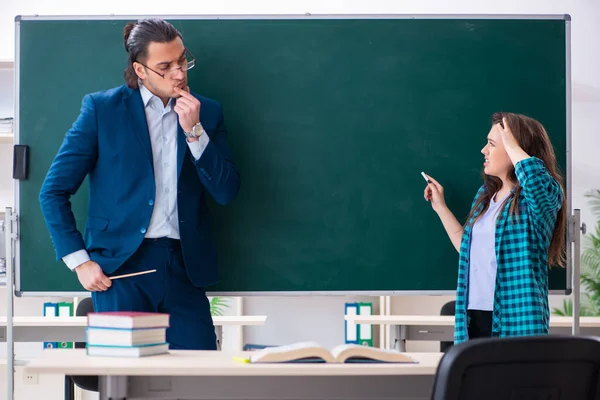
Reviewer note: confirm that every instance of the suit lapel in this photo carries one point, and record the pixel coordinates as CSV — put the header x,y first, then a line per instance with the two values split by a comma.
x,y
181,148
135,107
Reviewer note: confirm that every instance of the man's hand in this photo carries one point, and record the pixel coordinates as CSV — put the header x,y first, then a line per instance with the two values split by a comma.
x,y
188,109
92,278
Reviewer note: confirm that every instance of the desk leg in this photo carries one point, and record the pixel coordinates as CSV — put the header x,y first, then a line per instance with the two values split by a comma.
x,y
219,333
112,387
401,338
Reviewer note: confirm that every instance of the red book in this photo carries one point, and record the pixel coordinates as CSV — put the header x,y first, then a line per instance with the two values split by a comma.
x,y
128,320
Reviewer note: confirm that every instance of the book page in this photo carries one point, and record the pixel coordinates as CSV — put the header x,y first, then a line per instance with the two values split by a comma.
x,y
358,353
307,351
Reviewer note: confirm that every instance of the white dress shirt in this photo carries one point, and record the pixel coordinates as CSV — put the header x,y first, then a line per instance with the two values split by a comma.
x,y
162,126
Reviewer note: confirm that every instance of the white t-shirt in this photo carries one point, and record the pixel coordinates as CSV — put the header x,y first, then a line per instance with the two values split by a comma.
x,y
483,265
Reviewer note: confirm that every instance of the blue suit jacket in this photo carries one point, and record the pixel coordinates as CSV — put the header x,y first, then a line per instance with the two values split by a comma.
x,y
110,142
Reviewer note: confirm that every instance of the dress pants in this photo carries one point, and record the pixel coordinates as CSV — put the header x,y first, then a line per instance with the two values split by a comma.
x,y
168,290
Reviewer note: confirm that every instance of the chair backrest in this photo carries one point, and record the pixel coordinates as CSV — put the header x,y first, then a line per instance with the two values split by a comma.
x,y
447,309
85,306
90,383
520,368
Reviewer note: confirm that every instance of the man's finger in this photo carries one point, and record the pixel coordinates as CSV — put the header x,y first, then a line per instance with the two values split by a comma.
x,y
182,105
185,106
106,282
185,93
187,102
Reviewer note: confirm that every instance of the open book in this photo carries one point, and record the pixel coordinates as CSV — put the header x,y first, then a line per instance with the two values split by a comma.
x,y
313,352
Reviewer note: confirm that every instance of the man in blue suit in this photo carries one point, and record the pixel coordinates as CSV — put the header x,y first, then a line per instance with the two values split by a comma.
x,y
151,149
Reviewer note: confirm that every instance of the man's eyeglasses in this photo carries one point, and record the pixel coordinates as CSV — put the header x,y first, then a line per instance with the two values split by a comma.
x,y
185,65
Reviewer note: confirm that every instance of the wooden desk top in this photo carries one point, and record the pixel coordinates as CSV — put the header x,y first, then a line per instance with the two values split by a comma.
x,y
212,363
82,321
448,320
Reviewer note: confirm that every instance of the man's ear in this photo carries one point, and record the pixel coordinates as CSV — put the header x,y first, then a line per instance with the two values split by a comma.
x,y
139,70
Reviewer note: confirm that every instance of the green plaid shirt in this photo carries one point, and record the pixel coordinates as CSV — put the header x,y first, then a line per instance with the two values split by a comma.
x,y
522,242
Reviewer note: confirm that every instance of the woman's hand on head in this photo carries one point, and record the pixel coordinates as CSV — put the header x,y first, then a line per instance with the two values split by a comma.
x,y
508,139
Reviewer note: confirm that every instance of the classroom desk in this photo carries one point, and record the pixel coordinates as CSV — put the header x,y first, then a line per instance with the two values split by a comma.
x,y
441,328
214,375
72,329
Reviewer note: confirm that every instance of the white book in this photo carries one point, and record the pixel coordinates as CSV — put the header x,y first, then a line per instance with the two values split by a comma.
x,y
313,352
124,337
125,351
128,319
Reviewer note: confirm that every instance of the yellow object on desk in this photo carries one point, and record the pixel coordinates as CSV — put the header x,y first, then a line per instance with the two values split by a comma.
x,y
242,360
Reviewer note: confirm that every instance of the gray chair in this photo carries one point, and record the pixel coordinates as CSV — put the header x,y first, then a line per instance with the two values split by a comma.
x,y
90,383
447,309
520,368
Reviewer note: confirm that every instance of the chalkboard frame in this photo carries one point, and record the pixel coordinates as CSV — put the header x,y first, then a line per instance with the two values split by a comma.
x,y
568,172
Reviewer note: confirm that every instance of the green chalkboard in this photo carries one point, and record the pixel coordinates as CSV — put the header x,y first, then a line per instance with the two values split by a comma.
x,y
331,121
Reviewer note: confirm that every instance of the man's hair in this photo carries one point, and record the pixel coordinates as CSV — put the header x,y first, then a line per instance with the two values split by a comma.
x,y
138,36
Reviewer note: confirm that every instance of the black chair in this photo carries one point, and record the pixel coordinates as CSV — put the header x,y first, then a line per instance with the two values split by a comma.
x,y
447,309
85,382
520,368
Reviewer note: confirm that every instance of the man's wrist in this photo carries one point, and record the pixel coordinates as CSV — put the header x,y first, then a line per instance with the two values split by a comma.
x,y
76,258
196,131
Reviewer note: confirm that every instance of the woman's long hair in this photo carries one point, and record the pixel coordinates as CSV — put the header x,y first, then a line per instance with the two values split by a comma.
x,y
533,139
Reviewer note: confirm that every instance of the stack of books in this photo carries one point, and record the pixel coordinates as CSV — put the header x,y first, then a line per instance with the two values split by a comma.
x,y
126,334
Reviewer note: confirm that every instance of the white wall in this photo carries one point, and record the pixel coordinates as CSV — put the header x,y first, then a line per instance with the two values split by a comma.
x,y
6,190
315,318
6,110
6,91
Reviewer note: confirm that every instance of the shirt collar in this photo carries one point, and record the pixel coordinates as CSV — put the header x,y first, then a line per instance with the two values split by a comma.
x,y
147,95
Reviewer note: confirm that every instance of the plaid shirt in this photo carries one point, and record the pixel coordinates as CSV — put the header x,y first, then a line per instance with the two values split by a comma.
x,y
522,242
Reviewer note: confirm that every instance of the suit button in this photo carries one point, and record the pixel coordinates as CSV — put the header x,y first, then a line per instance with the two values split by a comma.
x,y
202,170
151,202
143,230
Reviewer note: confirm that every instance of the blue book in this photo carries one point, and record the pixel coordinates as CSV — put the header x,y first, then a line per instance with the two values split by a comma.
x,y
127,351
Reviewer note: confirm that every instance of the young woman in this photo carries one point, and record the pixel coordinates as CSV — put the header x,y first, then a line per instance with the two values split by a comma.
x,y
514,232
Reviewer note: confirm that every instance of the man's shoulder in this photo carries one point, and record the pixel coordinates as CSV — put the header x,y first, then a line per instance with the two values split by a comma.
x,y
115,94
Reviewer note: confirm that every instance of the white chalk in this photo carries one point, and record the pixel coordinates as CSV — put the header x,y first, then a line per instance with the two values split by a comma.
x,y
425,177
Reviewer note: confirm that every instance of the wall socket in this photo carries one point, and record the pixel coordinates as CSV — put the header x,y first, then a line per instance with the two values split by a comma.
x,y
30,379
